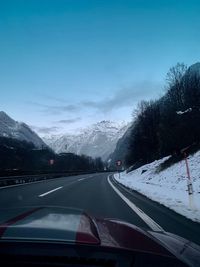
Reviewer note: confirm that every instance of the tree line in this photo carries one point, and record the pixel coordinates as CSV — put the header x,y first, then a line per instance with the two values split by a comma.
x,y
19,157
165,126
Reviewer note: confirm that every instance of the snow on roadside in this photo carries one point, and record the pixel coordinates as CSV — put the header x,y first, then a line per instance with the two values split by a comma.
x,y
169,186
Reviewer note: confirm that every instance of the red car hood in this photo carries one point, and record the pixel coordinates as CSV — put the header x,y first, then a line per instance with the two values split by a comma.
x,y
76,227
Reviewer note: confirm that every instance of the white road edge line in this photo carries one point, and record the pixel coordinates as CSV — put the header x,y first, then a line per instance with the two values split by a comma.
x,y
150,222
51,191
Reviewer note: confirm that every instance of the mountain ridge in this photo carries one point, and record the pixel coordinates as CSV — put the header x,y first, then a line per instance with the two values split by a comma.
x,y
97,140
18,130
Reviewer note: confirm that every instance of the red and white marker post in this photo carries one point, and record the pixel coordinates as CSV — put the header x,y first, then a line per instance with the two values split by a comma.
x,y
189,180
118,163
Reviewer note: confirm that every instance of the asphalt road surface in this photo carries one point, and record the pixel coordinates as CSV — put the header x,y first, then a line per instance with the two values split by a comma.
x,y
99,195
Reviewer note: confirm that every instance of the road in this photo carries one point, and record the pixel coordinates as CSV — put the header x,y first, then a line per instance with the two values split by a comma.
x,y
101,196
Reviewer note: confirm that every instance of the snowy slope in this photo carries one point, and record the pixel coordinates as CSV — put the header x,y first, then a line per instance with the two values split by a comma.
x,y
169,186
21,131
98,140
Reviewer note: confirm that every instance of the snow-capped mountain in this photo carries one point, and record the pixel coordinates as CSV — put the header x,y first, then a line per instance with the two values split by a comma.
x,y
18,130
98,140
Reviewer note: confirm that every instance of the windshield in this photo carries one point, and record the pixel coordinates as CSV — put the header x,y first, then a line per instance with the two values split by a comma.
x,y
100,112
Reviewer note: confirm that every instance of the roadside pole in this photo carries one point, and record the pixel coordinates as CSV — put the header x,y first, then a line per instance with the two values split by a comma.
x,y
189,180
190,187
119,163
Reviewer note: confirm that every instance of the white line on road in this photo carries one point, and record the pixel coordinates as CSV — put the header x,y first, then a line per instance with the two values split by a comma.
x,y
82,179
49,192
35,182
150,222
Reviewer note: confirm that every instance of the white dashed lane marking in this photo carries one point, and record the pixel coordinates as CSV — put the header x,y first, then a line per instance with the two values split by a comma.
x,y
51,191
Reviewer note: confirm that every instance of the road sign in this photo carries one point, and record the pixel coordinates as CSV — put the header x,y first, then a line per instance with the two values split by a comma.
x,y
118,162
51,161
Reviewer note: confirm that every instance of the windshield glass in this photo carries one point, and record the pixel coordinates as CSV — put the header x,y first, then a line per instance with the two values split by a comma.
x,y
100,112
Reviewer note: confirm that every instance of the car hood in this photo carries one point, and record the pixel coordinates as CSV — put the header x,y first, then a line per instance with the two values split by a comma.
x,y
77,227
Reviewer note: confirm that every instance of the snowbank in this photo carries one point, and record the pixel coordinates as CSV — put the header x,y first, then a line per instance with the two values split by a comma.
x,y
168,187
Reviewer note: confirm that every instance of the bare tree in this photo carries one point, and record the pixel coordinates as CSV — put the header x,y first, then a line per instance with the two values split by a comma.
x,y
175,74
176,84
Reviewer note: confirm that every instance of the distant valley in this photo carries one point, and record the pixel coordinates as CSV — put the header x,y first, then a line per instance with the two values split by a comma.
x,y
98,140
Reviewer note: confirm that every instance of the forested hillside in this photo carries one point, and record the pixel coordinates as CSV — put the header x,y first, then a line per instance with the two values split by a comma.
x,y
19,157
171,123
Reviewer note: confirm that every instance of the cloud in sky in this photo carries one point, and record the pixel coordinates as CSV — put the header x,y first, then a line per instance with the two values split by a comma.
x,y
69,121
54,98
125,97
53,109
45,130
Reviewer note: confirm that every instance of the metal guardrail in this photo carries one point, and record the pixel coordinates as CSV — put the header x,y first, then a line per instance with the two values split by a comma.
x,y
22,179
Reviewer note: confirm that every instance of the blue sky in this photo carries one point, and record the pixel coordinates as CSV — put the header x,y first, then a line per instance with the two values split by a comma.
x,y
67,63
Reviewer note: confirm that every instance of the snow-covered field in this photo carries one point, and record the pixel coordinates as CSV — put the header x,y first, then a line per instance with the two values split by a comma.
x,y
168,187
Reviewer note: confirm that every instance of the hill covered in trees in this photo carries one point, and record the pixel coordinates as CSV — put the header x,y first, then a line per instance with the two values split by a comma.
x,y
19,157
167,125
